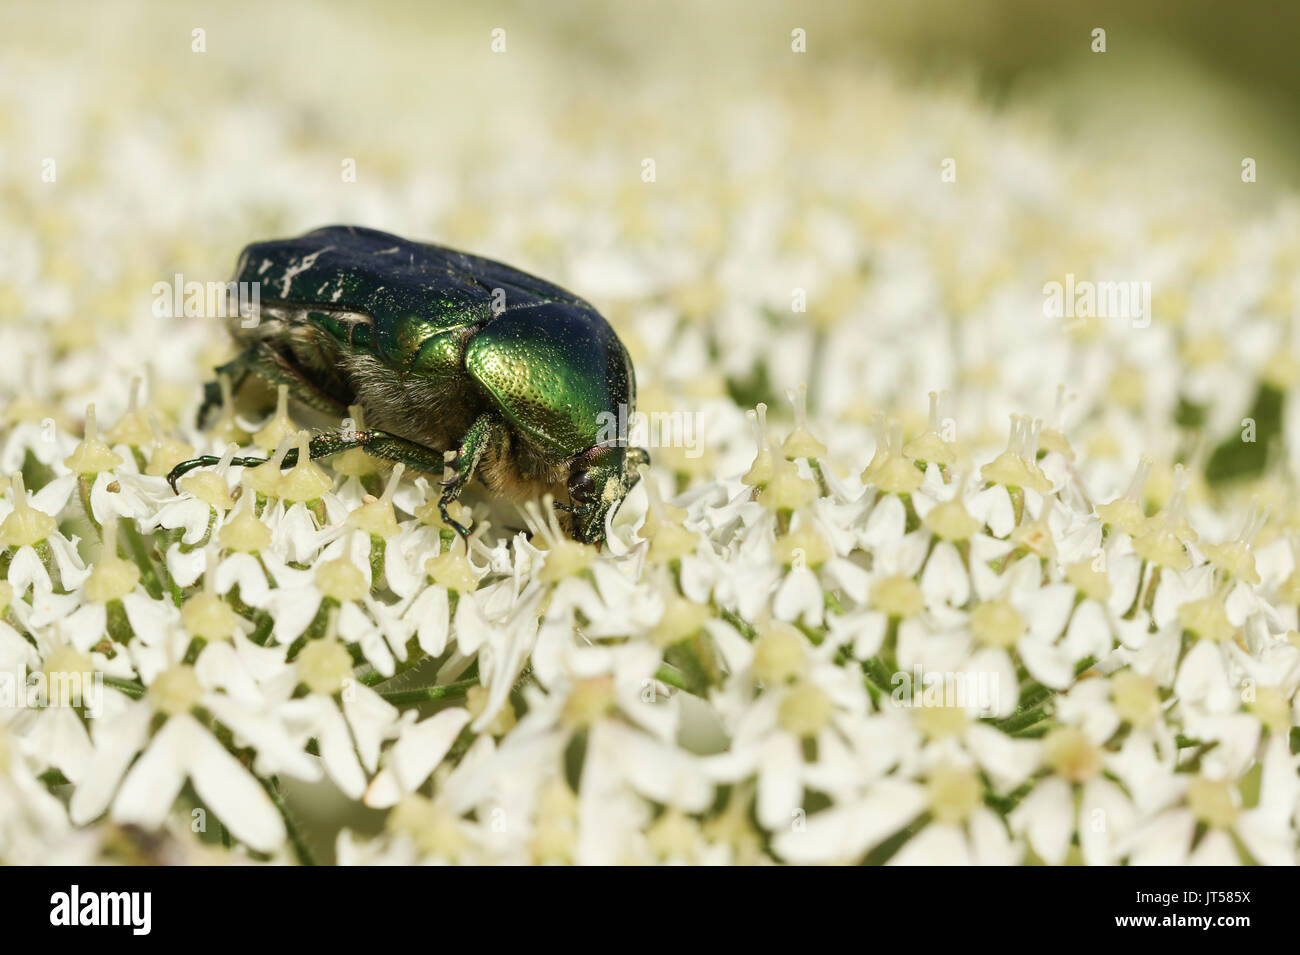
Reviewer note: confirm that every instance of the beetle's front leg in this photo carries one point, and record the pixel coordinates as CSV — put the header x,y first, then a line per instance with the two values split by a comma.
x,y
468,455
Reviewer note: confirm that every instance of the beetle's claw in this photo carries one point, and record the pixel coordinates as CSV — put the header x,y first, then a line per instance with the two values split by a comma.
x,y
450,521
184,468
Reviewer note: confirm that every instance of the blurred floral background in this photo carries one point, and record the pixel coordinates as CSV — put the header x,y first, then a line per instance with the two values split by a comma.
x,y
761,197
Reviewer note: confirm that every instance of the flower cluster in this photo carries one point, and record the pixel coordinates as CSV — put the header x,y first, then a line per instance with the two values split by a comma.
x,y
933,661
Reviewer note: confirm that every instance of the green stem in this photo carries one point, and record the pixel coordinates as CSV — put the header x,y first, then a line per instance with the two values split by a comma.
x,y
1003,805
822,486
1019,721
889,848
148,572
672,678
1131,612
447,691
746,631
83,491
300,847
879,675
130,687
1036,731
119,627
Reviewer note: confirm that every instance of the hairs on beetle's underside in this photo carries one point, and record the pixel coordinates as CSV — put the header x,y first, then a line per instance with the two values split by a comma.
x,y
414,407
515,471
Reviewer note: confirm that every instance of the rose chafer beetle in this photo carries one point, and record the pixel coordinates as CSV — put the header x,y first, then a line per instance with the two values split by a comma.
x,y
443,351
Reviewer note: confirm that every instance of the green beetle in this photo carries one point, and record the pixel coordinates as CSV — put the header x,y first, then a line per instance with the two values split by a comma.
x,y
443,351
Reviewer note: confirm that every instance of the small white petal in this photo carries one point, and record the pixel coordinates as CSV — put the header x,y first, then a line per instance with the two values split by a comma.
x,y
238,799
153,783
936,844
372,719
800,598
1046,816
780,785
117,740
421,747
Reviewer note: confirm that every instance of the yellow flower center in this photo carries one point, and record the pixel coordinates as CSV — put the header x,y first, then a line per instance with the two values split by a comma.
x,y
588,701
954,793
1207,619
1136,698
1273,709
950,521
245,533
436,831
673,836
897,596
206,615
1212,803
453,570
803,545
341,579
805,710
681,618
377,517
1088,580
1071,755
112,577
787,489
175,690
997,624
92,455
68,675
268,438
304,481
937,722
324,665
778,654
25,525
209,487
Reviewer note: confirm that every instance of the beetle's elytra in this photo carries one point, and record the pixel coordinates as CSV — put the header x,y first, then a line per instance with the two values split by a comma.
x,y
442,351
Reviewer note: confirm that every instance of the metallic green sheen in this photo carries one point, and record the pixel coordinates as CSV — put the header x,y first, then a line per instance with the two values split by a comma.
x,y
555,374
443,355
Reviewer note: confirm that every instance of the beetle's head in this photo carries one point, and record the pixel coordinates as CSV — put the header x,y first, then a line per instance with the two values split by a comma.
x,y
599,479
